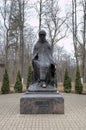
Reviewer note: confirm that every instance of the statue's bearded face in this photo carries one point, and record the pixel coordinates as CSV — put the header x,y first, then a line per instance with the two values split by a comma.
x,y
42,37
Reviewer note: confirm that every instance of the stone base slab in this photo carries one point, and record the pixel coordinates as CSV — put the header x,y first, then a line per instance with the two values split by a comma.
x,y
36,88
42,103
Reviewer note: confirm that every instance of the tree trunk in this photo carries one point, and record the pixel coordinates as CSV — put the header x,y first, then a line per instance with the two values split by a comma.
x,y
40,15
6,50
21,37
84,42
74,24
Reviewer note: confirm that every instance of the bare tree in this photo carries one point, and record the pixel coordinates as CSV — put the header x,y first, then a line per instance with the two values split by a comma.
x,y
6,13
39,7
54,22
78,30
13,14
84,41
63,60
79,44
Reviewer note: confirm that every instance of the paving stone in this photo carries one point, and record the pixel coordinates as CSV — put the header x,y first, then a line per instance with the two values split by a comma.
x,y
73,119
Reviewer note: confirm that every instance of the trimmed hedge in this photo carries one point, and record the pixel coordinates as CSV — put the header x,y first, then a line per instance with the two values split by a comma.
x,y
78,84
5,83
67,82
18,84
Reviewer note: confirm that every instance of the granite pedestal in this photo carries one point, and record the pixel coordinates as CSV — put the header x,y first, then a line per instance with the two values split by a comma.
x,y
44,101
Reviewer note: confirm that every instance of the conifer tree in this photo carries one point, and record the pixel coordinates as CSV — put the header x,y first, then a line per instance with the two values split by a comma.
x,y
29,76
5,84
78,84
67,82
18,85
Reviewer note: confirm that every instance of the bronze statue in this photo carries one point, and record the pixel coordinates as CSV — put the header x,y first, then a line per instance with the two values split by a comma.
x,y
43,64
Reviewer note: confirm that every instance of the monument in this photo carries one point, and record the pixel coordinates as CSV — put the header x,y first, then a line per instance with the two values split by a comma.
x,y
41,96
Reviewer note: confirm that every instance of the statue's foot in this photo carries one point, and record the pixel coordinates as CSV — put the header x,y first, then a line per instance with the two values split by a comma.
x,y
43,84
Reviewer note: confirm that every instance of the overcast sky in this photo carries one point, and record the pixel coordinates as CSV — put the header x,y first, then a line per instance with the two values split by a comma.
x,y
66,42
34,21
63,4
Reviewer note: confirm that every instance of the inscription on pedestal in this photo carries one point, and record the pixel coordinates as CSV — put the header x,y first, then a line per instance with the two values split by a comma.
x,y
42,103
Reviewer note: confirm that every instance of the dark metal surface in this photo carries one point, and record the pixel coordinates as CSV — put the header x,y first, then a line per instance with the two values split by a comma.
x,y
36,88
43,64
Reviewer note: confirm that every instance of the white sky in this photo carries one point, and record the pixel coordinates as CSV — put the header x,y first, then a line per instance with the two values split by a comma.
x,y
34,21
66,42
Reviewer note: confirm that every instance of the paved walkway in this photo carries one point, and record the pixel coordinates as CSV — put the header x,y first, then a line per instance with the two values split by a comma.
x,y
73,119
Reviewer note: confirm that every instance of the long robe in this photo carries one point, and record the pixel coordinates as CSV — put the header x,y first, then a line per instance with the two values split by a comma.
x,y
42,61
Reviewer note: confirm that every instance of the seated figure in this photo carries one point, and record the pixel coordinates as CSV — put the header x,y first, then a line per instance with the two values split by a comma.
x,y
43,64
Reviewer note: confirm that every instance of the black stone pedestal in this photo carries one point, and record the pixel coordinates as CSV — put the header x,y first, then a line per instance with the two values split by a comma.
x,y
42,103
